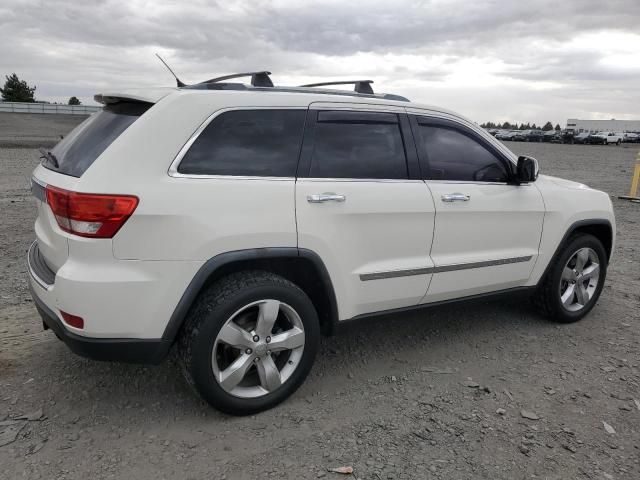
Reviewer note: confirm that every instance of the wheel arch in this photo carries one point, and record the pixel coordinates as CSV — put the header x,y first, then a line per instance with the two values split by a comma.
x,y
303,267
598,227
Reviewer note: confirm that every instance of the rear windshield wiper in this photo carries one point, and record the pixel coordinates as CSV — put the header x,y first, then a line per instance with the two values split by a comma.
x,y
50,157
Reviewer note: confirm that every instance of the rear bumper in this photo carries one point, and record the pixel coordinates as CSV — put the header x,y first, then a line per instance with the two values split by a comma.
x,y
111,349
122,302
118,299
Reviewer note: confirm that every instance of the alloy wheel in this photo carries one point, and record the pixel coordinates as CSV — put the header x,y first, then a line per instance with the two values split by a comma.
x,y
579,279
258,348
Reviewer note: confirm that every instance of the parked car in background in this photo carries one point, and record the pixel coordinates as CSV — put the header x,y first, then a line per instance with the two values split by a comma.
x,y
535,136
631,137
567,136
605,138
581,138
528,136
520,135
507,135
552,136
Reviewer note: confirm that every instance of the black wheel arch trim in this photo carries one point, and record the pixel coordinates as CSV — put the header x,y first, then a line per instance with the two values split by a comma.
x,y
572,228
268,253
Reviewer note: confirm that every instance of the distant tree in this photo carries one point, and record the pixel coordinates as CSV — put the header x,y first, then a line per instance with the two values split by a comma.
x,y
558,127
533,126
548,126
74,101
506,125
16,90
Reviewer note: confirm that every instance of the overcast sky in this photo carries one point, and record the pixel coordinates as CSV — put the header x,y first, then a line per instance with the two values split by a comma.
x,y
516,60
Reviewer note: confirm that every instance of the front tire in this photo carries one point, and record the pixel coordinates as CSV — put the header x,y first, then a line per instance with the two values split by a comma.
x,y
249,342
573,285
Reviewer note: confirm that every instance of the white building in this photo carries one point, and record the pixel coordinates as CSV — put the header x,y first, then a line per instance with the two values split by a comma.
x,y
612,125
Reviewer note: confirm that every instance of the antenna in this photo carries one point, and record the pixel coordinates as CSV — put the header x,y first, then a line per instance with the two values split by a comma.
x,y
178,81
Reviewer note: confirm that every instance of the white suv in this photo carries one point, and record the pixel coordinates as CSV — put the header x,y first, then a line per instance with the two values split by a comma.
x,y
241,222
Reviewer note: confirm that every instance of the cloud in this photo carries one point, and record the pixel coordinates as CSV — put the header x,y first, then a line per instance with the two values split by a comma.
x,y
490,60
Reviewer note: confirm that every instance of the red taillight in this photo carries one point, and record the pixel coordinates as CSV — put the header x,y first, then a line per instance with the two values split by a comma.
x,y
72,320
88,214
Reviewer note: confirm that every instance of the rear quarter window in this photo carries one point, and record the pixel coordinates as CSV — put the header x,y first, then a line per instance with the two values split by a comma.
x,y
76,152
262,143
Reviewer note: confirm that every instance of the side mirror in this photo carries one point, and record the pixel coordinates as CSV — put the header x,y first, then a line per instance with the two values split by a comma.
x,y
527,170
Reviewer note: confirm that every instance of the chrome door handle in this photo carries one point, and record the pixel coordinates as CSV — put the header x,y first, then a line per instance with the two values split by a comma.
x,y
455,197
325,197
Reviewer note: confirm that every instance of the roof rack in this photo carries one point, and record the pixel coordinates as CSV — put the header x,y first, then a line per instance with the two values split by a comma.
x,y
258,79
261,81
360,86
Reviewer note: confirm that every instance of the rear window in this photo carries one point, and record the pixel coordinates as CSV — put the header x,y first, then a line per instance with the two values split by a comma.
x,y
78,150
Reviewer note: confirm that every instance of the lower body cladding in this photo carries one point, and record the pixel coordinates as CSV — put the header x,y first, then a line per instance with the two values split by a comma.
x,y
124,304
118,349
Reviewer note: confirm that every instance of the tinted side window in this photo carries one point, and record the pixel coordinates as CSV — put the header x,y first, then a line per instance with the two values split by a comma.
x,y
263,143
452,155
358,148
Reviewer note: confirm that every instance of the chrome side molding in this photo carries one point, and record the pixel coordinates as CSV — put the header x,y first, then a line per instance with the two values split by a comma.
x,y
441,268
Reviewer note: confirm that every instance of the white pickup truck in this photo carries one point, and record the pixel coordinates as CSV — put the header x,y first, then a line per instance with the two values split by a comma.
x,y
606,138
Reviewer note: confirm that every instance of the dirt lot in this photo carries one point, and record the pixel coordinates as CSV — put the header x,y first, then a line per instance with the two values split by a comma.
x,y
438,394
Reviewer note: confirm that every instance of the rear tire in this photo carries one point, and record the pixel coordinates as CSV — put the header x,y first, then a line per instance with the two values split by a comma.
x,y
573,285
234,369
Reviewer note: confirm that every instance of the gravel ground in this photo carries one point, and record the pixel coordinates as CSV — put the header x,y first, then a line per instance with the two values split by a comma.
x,y
489,390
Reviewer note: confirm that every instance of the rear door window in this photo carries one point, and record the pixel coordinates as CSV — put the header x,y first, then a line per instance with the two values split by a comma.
x,y
77,151
358,145
253,143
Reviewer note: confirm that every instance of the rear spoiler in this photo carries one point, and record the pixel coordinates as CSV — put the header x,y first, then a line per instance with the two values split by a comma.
x,y
147,95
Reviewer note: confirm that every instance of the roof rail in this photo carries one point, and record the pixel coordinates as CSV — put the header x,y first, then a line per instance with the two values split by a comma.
x,y
261,81
258,79
360,86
